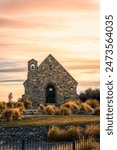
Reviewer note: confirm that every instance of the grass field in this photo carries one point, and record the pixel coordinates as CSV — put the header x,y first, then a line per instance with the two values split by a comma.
x,y
53,120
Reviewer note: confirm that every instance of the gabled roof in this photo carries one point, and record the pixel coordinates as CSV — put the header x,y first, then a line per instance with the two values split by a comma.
x,y
32,60
50,57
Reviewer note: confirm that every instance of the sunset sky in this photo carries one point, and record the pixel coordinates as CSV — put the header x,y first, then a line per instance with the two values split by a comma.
x,y
67,29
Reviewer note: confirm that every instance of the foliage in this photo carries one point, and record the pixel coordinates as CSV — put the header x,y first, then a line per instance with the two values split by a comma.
x,y
90,93
11,114
97,111
74,133
93,103
42,107
27,103
86,108
65,111
2,106
50,110
58,134
89,144
92,131
9,105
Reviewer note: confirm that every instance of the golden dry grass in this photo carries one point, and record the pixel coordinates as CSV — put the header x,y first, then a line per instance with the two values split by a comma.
x,y
72,105
74,132
11,114
65,111
42,107
86,108
58,134
50,110
92,131
93,103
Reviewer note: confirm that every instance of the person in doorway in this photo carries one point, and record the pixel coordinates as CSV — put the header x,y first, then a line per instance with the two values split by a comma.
x,y
10,97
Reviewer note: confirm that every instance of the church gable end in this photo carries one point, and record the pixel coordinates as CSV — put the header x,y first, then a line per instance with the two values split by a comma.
x,y
49,82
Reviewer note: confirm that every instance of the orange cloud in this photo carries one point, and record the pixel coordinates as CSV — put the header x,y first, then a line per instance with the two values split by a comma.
x,y
8,6
68,29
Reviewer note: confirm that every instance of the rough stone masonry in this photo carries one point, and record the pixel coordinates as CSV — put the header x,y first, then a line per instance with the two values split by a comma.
x,y
49,82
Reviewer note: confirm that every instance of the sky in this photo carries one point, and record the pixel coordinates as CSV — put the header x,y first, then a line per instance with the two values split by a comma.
x,y
67,29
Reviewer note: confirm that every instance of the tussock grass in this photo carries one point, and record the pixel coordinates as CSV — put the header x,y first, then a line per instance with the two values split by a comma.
x,y
89,144
93,103
42,107
86,108
27,102
50,110
11,114
65,111
97,111
58,134
92,131
74,132
9,105
72,105
2,107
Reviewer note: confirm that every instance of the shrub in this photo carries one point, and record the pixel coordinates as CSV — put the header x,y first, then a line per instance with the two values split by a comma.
x,y
27,103
20,106
56,134
42,107
78,102
92,131
89,144
10,105
72,105
11,114
90,93
50,110
73,133
57,111
65,111
86,108
97,111
93,103
2,106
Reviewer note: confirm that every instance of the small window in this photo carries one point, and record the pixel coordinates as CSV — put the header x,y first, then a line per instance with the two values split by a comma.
x,y
32,67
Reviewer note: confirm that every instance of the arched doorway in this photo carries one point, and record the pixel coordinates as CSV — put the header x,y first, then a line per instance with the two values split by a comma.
x,y
50,94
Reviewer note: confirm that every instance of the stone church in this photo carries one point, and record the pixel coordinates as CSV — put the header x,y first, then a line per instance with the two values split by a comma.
x,y
49,82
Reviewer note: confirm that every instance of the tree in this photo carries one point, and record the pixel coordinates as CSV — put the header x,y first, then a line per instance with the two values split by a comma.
x,y
90,93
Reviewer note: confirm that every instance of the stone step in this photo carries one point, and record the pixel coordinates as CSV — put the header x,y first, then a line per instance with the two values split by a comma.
x,y
31,111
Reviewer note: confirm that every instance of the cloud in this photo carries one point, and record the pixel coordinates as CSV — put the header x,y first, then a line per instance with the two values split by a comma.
x,y
21,6
86,83
84,67
9,22
12,70
8,81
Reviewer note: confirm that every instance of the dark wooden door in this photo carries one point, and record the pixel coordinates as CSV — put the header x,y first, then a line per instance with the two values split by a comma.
x,y
50,94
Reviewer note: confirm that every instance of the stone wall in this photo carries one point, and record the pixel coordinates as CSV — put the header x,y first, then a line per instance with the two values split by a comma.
x,y
39,132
